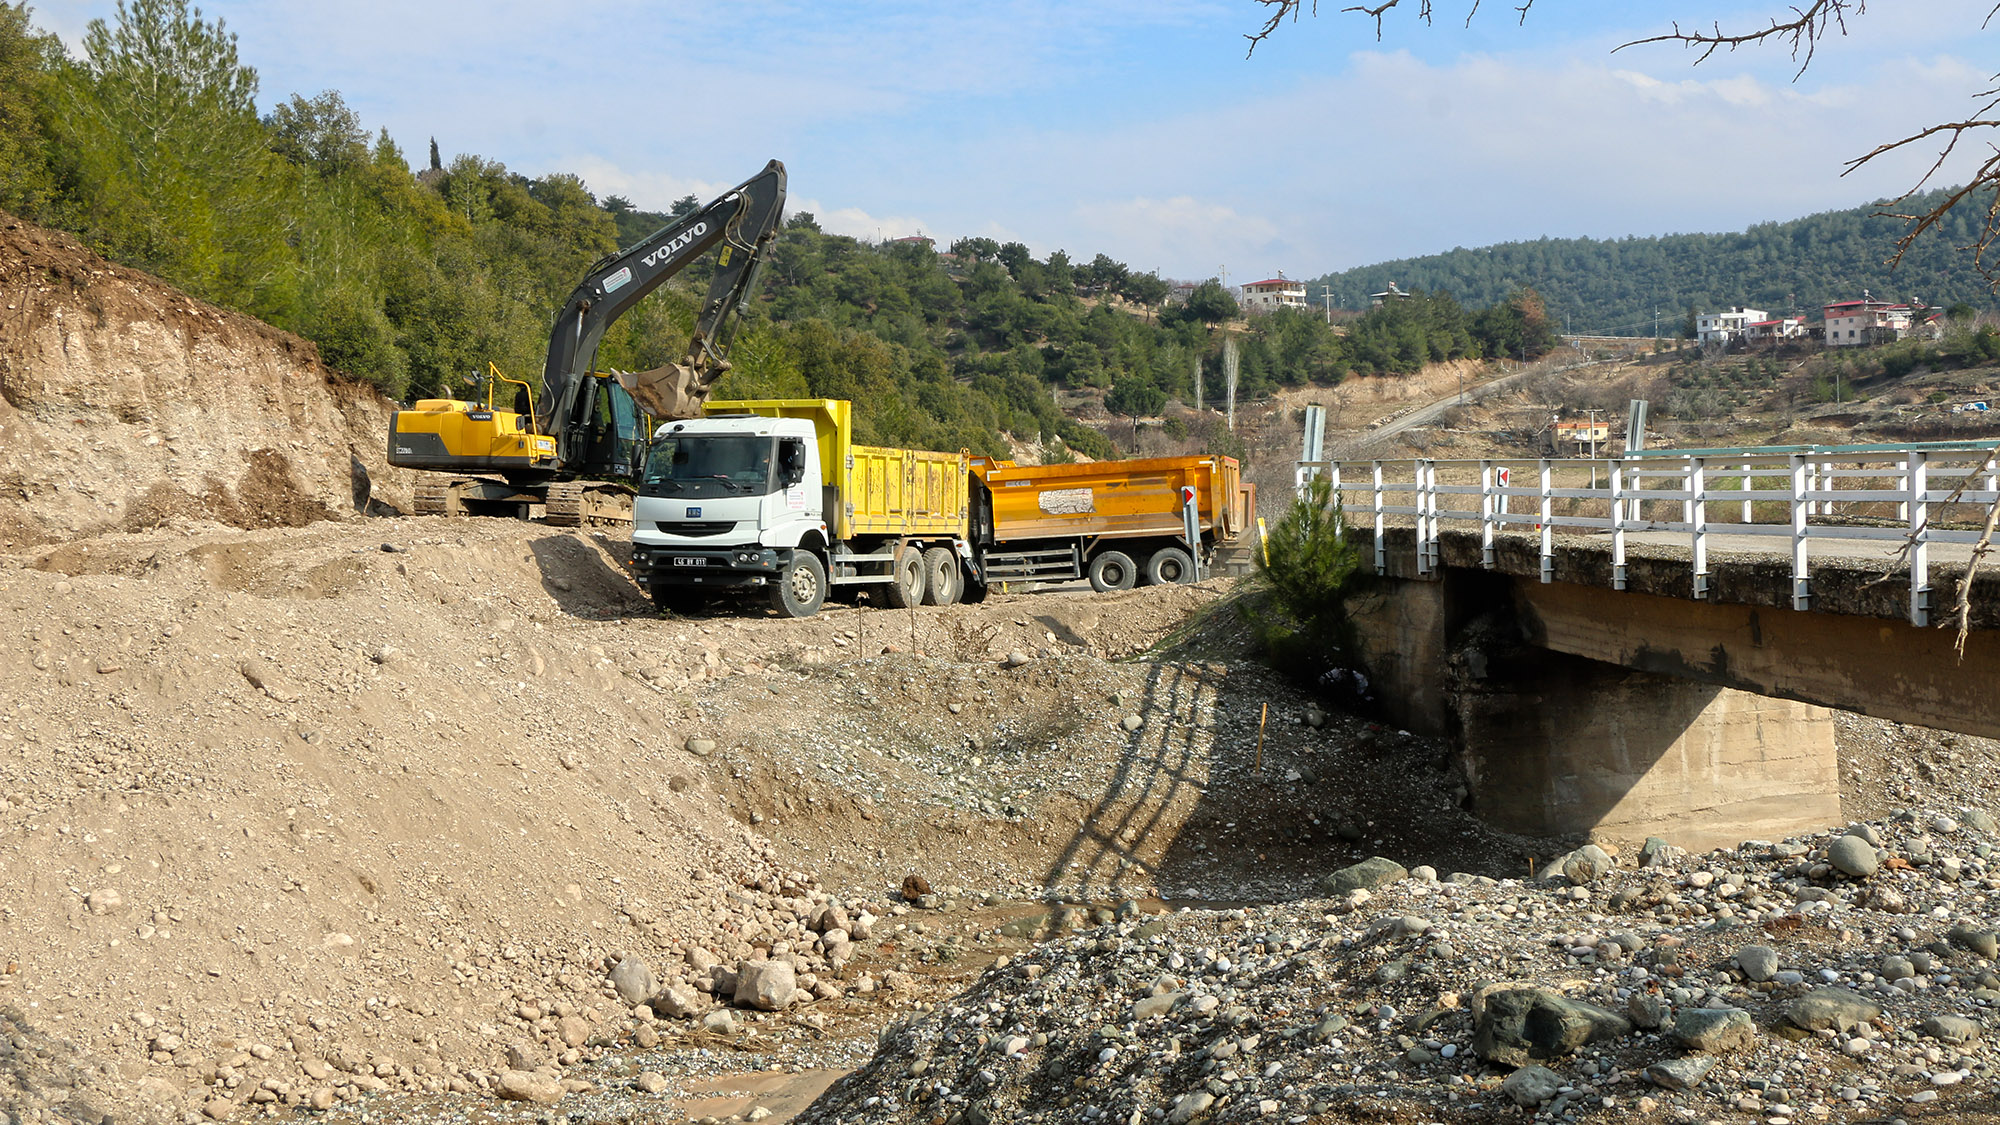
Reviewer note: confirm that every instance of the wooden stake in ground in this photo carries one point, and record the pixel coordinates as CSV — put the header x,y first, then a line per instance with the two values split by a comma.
x,y
1258,766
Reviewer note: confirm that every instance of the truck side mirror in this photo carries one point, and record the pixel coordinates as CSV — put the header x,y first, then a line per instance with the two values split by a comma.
x,y
792,462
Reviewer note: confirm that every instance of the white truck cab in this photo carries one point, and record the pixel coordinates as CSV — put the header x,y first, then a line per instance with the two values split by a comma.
x,y
727,501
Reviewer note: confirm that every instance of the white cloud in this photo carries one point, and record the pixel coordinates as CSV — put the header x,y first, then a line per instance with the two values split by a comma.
x,y
1182,236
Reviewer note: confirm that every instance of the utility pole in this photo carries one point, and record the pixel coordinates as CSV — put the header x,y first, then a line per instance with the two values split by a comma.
x,y
1592,432
1327,292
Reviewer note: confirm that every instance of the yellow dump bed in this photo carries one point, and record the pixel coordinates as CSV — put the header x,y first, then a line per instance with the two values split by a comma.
x,y
1113,498
879,491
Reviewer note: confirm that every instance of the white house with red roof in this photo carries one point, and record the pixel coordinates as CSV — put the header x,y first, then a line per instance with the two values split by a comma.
x,y
1278,293
1851,324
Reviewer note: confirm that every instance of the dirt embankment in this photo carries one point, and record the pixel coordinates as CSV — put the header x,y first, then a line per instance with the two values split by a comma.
x,y
125,405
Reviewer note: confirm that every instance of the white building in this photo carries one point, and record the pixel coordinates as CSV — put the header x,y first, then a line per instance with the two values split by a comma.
x,y
1851,324
1723,327
1277,293
1771,331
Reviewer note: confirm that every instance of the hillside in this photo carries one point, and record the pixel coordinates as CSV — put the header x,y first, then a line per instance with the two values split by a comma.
x,y
1624,286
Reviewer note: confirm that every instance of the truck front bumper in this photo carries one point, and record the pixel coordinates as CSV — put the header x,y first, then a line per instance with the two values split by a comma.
x,y
705,566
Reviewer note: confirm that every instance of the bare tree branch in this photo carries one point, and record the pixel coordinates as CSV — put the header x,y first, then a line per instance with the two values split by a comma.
x,y
1963,611
1987,178
1805,29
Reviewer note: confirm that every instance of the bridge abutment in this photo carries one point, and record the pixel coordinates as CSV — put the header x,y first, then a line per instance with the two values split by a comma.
x,y
1553,743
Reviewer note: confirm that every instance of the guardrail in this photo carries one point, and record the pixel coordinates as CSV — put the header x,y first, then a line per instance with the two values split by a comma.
x,y
1792,495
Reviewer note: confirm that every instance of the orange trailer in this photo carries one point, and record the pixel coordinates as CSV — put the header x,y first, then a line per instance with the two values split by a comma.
x,y
1118,523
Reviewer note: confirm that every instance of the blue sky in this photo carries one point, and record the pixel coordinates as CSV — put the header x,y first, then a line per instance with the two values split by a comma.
x,y
1140,130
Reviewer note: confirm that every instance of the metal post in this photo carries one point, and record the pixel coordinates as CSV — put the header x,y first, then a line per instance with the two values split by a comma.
x,y
1487,508
1748,517
1426,524
1801,576
1618,525
1546,514
1381,549
1697,481
1191,528
1920,539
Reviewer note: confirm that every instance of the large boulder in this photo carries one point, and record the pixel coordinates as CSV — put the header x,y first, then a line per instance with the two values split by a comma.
x,y
1854,856
527,1086
1366,876
1586,864
1835,1008
765,985
1710,1031
1530,1086
634,981
1522,1025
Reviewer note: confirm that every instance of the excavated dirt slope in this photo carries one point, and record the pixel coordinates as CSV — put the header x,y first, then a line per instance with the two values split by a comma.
x,y
125,404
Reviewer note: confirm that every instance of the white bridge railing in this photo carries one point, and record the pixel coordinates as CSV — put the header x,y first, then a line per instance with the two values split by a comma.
x,y
1902,498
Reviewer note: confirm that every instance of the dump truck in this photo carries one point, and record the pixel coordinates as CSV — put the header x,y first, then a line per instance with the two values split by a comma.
x,y
774,496
1117,523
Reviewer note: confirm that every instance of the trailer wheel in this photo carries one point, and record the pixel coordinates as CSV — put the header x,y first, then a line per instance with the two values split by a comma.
x,y
942,581
1169,566
801,586
908,570
1112,570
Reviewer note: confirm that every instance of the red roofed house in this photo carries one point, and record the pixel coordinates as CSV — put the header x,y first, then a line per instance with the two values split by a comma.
x,y
1867,321
1277,293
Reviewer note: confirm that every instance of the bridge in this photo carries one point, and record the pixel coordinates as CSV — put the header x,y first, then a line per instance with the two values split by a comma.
x,y
1652,644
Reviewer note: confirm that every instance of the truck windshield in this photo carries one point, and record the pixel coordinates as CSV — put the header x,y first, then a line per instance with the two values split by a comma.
x,y
709,465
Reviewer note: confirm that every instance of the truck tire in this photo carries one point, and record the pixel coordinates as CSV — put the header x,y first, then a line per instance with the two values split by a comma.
x,y
1112,570
1169,566
801,586
908,588
942,580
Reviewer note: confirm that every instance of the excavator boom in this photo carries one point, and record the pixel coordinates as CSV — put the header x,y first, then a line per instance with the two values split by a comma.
x,y
584,426
742,221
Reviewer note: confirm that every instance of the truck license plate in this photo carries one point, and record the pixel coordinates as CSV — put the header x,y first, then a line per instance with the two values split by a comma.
x,y
690,560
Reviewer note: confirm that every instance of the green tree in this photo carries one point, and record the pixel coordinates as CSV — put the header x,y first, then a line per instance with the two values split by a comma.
x,y
29,63
1309,570
320,133
175,167
1210,303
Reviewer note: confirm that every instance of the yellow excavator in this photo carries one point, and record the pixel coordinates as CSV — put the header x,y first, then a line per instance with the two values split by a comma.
x,y
575,448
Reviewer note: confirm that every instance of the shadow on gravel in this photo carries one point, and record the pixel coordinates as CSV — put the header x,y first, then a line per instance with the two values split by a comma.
x,y
42,1076
1194,809
585,579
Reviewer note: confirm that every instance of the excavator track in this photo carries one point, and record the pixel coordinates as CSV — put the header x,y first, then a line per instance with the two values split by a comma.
x,y
438,498
580,504
564,507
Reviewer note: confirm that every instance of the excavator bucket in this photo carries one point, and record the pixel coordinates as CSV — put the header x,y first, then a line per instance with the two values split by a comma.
x,y
671,392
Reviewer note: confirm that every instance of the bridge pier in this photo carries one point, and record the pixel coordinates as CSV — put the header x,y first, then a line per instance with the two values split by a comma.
x,y
1554,744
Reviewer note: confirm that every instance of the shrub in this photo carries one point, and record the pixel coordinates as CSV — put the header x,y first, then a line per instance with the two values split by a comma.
x,y
1309,569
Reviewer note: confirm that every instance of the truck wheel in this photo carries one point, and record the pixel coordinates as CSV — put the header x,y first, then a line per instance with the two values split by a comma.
x,y
942,581
908,588
681,601
1112,570
801,586
1168,566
